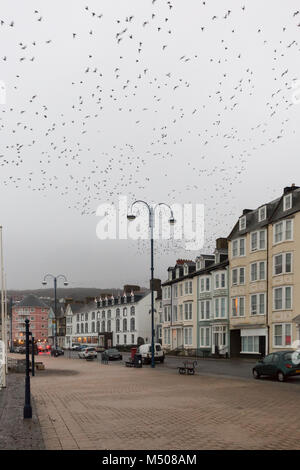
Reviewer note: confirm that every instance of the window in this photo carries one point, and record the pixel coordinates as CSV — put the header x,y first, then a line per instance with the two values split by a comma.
x,y
102,326
93,327
220,281
205,284
125,312
117,313
205,337
125,324
186,269
86,317
177,273
205,307
282,298
238,247
220,307
170,275
180,312
93,315
109,326
287,202
238,306
132,324
282,263
242,223
132,310
118,339
258,304
188,336
132,339
167,336
250,344
238,276
125,339
188,311
258,271
117,324
258,240
175,313
217,281
262,213
282,334
86,328
283,231
176,291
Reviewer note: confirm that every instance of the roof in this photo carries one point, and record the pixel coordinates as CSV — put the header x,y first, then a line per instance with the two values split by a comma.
x,y
212,267
275,213
31,301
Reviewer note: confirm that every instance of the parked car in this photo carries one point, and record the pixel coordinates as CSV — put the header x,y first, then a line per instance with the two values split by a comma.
x,y
87,353
146,352
20,349
75,347
112,354
282,364
57,352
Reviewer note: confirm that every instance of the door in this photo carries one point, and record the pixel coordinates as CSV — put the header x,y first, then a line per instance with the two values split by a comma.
x,y
269,365
262,345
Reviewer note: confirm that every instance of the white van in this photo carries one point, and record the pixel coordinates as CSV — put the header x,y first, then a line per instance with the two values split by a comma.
x,y
145,351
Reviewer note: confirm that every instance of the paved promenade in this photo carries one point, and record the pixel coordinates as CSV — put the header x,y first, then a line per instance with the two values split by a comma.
x,y
87,405
15,432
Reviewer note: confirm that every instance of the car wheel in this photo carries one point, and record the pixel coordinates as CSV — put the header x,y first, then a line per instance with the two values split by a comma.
x,y
256,374
280,376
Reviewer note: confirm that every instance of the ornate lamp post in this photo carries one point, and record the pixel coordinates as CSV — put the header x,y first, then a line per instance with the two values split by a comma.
x,y
172,221
55,279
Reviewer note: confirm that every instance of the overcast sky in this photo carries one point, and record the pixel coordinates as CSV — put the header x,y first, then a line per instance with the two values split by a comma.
x,y
166,101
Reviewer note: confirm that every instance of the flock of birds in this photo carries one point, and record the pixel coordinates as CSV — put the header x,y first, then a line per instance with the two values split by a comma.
x,y
145,115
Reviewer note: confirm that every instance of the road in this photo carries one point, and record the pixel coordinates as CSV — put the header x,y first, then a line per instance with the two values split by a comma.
x,y
223,367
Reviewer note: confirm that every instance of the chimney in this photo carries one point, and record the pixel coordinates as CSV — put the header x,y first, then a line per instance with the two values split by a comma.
x,y
287,189
221,244
129,287
156,286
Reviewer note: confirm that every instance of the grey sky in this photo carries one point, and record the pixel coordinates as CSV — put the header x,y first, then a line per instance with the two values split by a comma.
x,y
207,119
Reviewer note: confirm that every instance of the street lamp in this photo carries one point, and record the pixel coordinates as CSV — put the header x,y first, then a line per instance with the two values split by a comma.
x,y
172,221
55,279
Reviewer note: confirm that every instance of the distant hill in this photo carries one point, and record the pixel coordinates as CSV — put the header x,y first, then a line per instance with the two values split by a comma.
x,y
76,293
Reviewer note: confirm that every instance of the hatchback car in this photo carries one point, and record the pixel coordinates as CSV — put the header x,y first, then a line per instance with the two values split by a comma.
x,y
87,353
112,354
282,364
57,352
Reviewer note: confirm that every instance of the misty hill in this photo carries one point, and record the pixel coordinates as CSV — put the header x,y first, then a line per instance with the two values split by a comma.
x,y
76,293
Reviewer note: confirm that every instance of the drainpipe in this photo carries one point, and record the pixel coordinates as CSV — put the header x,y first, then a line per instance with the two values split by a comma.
x,y
267,296
228,309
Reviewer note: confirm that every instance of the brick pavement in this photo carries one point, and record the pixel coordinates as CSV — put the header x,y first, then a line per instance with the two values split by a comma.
x,y
88,405
15,432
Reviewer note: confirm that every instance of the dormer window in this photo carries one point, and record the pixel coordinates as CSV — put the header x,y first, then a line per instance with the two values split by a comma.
x,y
112,300
243,223
125,299
185,269
198,265
170,275
177,273
262,213
132,297
287,202
119,300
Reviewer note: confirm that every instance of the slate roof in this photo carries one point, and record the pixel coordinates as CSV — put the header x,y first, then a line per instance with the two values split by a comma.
x,y
31,301
275,213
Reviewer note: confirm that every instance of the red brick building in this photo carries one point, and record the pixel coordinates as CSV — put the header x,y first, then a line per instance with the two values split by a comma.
x,y
38,314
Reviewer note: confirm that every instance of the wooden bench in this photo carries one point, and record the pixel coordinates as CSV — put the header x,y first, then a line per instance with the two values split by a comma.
x,y
188,368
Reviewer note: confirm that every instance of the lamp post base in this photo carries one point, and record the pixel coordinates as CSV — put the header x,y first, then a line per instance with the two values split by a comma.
x,y
27,412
